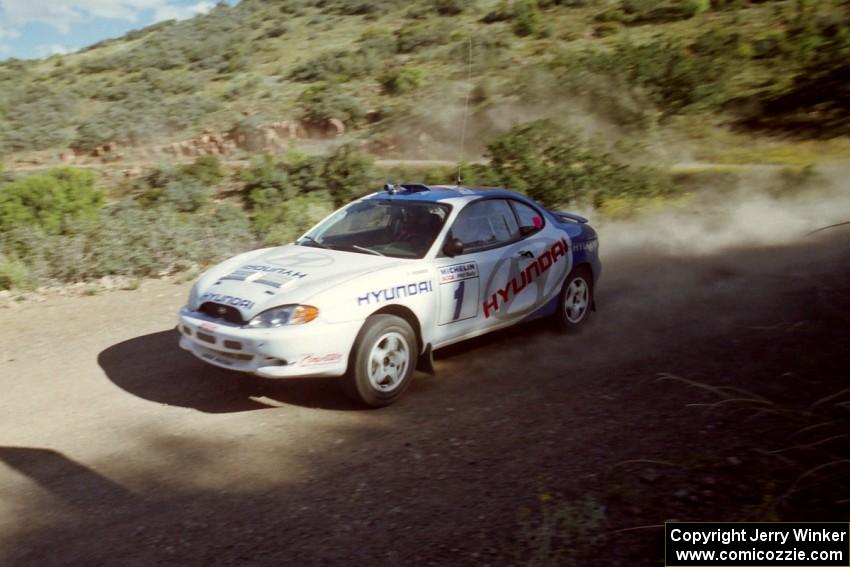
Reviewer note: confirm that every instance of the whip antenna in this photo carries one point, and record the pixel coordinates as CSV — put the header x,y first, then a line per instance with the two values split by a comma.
x,y
465,111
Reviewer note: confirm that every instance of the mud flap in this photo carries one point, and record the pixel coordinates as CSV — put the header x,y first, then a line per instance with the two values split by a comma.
x,y
426,361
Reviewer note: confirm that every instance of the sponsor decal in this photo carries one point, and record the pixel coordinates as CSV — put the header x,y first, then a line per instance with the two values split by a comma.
x,y
586,245
228,300
268,275
527,276
320,359
457,272
286,272
208,326
395,292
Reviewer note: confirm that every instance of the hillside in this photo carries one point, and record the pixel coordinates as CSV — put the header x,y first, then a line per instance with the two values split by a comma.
x,y
395,73
259,119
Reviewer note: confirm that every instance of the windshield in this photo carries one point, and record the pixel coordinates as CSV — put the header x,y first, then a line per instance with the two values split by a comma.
x,y
399,229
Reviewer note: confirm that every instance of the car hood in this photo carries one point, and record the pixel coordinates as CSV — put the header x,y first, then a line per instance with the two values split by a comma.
x,y
260,280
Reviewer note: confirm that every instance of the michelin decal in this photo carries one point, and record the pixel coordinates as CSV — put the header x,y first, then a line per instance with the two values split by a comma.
x,y
457,272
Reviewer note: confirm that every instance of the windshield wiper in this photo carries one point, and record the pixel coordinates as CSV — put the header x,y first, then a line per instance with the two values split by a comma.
x,y
314,242
369,250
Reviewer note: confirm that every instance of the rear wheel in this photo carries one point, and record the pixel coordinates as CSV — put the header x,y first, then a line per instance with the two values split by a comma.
x,y
383,361
575,301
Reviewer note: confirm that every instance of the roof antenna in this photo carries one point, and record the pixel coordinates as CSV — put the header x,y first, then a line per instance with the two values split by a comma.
x,y
465,112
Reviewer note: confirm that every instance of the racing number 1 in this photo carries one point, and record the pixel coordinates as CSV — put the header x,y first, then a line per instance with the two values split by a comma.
x,y
459,285
458,299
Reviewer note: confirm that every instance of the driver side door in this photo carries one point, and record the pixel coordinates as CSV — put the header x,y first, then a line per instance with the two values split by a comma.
x,y
496,280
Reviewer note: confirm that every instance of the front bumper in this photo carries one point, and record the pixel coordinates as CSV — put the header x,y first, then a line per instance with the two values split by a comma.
x,y
317,348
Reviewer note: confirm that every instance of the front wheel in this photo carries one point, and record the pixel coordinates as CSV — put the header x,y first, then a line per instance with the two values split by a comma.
x,y
575,301
382,362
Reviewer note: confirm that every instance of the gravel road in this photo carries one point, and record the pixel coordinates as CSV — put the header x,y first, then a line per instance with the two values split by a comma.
x,y
117,448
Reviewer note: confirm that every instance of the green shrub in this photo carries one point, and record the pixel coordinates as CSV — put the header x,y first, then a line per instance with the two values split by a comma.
x,y
643,11
526,18
127,240
419,36
502,13
400,80
14,274
669,70
184,188
185,196
283,222
288,196
490,50
49,200
276,30
448,7
264,173
324,101
556,166
36,116
337,65
379,41
348,174
206,169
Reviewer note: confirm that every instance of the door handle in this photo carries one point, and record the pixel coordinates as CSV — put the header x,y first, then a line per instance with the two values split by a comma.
x,y
526,254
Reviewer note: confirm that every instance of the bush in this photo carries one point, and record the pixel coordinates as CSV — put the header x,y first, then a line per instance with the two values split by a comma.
x,y
206,169
185,196
14,274
643,11
379,41
526,18
556,166
127,240
502,13
283,222
400,80
419,36
289,196
185,188
35,116
50,200
337,65
323,101
669,70
348,174
448,7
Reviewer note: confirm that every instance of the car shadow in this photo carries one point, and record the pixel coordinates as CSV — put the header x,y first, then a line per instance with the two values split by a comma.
x,y
64,478
153,367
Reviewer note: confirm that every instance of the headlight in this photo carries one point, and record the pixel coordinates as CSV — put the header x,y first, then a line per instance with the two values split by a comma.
x,y
286,315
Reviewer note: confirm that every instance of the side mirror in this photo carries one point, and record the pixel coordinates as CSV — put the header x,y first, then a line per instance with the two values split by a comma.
x,y
453,247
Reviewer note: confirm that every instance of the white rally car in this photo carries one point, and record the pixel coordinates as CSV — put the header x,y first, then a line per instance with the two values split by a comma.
x,y
373,289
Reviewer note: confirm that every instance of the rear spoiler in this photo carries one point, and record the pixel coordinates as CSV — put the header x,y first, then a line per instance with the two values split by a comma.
x,y
569,217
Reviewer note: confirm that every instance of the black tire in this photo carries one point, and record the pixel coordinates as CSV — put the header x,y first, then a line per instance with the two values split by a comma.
x,y
575,302
382,361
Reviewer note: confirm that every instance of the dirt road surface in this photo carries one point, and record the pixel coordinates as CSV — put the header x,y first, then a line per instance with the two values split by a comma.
x,y
117,448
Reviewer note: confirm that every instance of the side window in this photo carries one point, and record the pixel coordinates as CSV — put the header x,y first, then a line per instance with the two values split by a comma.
x,y
485,223
530,221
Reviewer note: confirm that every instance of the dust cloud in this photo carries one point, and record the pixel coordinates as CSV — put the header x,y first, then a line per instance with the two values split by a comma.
x,y
724,259
746,214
